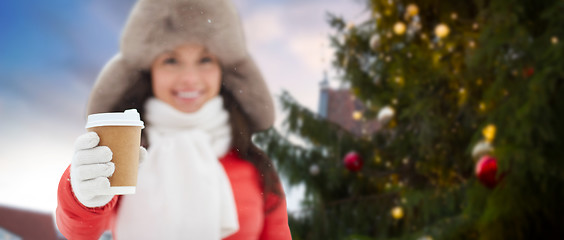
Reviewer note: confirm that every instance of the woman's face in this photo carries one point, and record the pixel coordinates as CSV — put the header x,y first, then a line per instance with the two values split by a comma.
x,y
186,77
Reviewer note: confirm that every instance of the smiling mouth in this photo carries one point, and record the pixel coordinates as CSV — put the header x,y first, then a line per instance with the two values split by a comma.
x,y
188,95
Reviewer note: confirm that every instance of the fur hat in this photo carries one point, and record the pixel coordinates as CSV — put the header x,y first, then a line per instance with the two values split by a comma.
x,y
155,26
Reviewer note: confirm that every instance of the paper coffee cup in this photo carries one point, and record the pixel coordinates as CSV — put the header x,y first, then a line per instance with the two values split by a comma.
x,y
121,132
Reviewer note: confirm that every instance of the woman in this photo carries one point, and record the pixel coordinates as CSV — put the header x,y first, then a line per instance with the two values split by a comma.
x,y
184,65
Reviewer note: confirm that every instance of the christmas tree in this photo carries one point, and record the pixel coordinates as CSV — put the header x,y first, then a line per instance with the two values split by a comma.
x,y
470,97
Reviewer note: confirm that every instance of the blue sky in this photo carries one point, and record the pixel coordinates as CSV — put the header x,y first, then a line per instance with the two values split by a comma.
x,y
43,34
51,52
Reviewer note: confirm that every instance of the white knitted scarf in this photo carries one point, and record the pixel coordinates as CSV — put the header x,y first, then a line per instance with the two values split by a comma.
x,y
182,190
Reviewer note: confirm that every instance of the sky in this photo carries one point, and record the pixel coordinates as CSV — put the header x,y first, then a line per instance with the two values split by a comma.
x,y
51,52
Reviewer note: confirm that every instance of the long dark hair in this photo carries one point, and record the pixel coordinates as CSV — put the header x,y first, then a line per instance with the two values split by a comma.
x,y
240,127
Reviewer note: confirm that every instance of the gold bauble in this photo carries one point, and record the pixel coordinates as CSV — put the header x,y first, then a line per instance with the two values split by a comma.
x,y
489,133
412,10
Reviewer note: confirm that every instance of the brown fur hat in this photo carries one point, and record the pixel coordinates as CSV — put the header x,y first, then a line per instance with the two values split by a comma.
x,y
155,26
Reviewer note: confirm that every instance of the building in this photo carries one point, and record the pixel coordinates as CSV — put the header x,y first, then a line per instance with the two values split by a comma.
x,y
342,108
18,224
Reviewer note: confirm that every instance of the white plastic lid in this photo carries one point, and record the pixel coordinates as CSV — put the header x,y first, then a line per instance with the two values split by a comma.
x,y
121,190
129,117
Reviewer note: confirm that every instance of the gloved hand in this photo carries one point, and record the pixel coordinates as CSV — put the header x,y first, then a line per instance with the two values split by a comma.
x,y
90,168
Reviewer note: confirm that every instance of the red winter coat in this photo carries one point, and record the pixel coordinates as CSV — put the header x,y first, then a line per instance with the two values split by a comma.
x,y
76,221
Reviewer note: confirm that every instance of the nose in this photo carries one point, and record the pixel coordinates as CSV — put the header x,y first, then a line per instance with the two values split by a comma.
x,y
188,76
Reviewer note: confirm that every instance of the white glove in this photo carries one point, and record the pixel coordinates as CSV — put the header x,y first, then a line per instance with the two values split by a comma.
x,y
90,168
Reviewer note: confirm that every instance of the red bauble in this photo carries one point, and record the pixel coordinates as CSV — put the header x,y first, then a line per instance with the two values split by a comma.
x,y
486,171
528,72
353,161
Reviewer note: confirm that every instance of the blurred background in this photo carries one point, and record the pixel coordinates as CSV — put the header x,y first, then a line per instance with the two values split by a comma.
x,y
396,119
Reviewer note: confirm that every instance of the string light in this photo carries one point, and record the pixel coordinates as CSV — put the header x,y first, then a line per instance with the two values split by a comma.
x,y
482,106
399,28
442,30
357,115
405,161
423,36
463,96
397,212
399,80
377,159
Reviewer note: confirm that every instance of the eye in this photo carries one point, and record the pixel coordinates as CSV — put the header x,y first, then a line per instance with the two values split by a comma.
x,y
206,60
170,60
